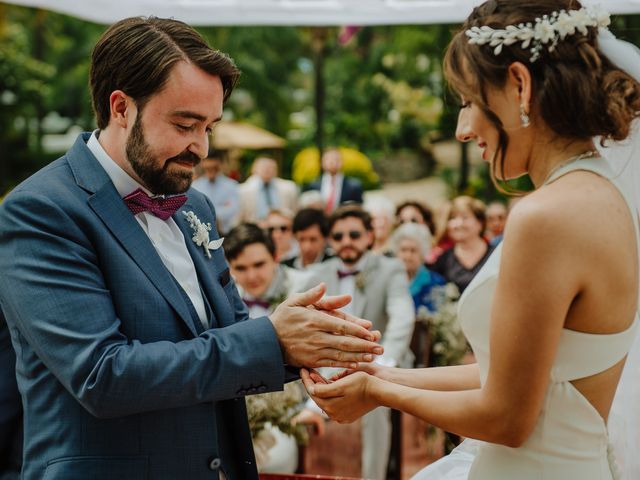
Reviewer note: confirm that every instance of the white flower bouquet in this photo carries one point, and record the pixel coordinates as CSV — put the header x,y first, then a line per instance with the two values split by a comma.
x,y
448,343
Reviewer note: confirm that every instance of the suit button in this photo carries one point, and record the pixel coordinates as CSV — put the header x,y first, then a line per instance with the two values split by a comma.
x,y
214,463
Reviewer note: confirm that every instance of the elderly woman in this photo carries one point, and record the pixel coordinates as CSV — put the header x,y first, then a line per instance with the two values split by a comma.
x,y
466,224
411,242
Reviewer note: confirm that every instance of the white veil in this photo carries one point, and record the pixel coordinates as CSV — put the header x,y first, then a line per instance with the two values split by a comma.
x,y
624,158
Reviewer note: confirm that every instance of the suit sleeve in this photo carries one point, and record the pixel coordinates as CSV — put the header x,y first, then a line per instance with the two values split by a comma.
x,y
53,291
401,315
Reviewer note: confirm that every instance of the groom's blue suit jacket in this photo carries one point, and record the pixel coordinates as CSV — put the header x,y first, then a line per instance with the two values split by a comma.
x,y
118,378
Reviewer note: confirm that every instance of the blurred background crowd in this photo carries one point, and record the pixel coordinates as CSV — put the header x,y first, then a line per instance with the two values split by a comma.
x,y
334,163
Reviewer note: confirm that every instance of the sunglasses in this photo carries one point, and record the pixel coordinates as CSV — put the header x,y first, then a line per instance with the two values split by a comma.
x,y
280,228
353,235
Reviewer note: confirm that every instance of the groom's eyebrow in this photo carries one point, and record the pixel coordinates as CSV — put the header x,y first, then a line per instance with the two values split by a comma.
x,y
193,115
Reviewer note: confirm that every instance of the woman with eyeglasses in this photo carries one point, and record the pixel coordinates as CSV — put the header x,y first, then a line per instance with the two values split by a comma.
x,y
470,250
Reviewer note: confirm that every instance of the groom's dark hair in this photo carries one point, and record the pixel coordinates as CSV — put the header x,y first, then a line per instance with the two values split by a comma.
x,y
136,55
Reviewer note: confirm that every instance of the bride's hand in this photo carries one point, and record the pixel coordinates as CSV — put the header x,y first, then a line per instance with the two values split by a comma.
x,y
375,369
344,400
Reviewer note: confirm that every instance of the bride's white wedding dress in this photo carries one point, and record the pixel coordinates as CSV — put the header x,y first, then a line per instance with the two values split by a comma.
x,y
570,439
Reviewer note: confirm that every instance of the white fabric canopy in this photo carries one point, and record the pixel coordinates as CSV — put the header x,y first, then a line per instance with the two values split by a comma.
x,y
285,12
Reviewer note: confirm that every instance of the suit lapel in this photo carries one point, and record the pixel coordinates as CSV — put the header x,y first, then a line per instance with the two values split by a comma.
x,y
360,296
207,274
111,209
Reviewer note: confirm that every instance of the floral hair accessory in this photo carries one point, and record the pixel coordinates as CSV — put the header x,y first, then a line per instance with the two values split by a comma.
x,y
548,30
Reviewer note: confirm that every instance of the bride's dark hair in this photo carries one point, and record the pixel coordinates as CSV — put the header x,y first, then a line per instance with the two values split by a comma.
x,y
576,90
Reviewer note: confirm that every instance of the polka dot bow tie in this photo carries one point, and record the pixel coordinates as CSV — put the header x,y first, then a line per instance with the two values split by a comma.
x,y
161,207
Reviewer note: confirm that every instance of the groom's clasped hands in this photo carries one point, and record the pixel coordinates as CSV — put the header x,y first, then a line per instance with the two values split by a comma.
x,y
313,333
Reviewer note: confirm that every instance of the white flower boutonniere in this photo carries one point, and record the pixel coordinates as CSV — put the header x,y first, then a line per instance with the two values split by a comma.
x,y
201,234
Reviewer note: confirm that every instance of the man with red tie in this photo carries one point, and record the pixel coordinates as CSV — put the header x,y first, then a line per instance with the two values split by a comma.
x,y
336,189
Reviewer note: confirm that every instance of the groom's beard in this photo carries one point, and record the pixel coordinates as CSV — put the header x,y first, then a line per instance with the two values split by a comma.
x,y
159,179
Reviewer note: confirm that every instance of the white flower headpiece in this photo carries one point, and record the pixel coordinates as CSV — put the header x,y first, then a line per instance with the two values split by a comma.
x,y
548,30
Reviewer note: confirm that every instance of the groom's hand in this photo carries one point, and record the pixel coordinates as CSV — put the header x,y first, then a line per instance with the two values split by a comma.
x,y
312,337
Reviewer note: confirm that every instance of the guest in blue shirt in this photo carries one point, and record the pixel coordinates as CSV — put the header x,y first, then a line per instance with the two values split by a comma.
x,y
221,190
411,242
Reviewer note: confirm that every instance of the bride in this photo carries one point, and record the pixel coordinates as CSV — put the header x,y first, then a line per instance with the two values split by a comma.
x,y
552,314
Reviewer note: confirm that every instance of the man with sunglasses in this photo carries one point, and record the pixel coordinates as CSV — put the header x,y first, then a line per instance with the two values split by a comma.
x,y
380,292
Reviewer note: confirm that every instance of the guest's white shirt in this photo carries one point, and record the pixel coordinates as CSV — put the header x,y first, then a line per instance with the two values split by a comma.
x,y
347,285
165,235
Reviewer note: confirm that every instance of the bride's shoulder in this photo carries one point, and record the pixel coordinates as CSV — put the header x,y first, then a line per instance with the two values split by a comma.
x,y
575,206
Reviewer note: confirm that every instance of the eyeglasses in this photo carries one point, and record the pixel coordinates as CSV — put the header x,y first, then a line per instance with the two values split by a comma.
x,y
410,220
280,228
353,235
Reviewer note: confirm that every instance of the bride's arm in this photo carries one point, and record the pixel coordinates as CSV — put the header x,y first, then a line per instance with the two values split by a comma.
x,y
458,377
543,265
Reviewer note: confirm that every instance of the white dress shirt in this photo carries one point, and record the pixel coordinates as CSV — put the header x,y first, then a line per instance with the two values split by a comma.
x,y
347,285
165,235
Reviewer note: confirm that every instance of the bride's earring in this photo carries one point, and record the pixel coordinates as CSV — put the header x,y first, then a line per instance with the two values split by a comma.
x,y
524,117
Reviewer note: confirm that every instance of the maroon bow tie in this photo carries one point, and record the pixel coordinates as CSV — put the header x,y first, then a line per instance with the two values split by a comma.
x,y
161,207
347,273
256,302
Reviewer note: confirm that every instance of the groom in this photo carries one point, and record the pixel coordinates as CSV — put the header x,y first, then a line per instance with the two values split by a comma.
x,y
134,350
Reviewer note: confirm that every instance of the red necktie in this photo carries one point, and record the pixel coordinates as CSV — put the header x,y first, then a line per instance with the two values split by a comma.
x,y
161,207
331,199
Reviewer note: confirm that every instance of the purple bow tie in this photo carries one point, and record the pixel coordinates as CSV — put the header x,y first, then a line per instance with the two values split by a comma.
x,y
161,207
256,302
347,273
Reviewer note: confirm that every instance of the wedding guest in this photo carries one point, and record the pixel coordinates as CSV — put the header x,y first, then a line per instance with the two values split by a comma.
x,y
380,292
415,212
134,345
264,191
553,313
496,220
441,240
470,251
310,230
220,189
279,224
311,199
382,211
410,243
336,189
263,283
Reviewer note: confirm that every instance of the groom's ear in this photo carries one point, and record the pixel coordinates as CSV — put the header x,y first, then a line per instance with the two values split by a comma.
x,y
122,108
